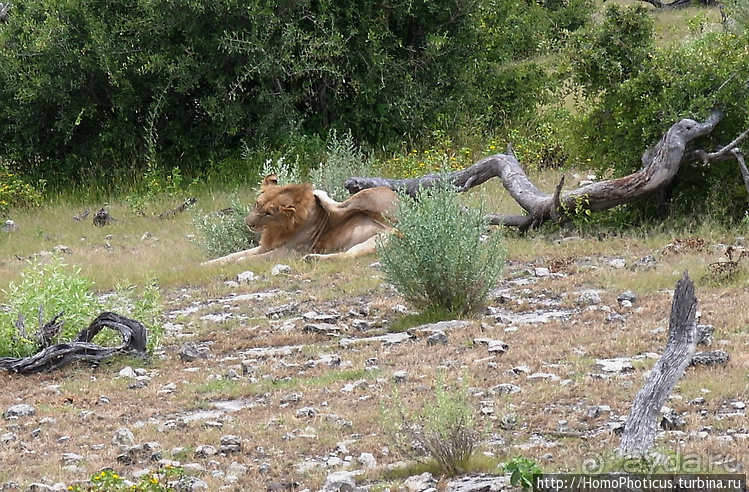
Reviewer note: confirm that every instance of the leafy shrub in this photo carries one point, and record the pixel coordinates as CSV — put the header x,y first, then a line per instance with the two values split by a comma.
x,y
16,192
224,232
343,160
443,432
441,257
46,289
49,287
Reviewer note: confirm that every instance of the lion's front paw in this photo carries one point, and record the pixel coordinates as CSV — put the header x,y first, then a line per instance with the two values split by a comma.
x,y
311,257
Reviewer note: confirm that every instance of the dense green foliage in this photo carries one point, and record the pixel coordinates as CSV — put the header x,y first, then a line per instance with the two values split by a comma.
x,y
636,90
92,89
441,259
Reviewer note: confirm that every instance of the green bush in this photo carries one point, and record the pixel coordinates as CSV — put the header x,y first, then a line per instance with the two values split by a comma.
x,y
441,257
224,232
46,289
343,160
49,287
636,90
16,192
101,90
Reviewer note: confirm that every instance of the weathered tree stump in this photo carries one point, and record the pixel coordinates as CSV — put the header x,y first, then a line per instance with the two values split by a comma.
x,y
683,337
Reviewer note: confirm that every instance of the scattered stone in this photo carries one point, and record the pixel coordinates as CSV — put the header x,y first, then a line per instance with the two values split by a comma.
x,y
647,263
400,376
614,317
127,372
420,483
541,272
280,270
672,421
617,263
387,339
17,411
9,226
190,352
341,481
627,299
505,389
71,458
367,460
231,444
588,298
188,483
544,375
205,451
437,338
8,437
283,310
246,277
712,358
322,329
482,483
123,437
493,346
306,412
620,365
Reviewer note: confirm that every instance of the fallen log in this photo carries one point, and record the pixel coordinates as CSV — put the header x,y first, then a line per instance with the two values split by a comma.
x,y
683,337
660,166
134,340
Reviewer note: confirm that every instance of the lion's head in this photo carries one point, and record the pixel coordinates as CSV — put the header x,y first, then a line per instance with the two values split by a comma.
x,y
280,210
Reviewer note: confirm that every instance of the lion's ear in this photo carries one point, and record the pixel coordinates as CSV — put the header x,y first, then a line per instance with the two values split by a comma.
x,y
270,180
289,210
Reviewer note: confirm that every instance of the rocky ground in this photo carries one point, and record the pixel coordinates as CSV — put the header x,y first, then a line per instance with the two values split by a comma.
x,y
278,379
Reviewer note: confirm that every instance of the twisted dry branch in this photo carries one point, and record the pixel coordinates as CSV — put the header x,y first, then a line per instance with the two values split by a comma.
x,y
134,340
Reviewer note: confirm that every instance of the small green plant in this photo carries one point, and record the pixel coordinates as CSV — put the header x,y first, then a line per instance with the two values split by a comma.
x,y
48,288
521,472
442,434
108,481
344,159
442,258
224,232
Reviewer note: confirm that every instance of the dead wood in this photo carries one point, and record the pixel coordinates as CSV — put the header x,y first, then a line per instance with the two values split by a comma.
x,y
660,166
82,215
134,340
683,337
102,218
170,214
4,8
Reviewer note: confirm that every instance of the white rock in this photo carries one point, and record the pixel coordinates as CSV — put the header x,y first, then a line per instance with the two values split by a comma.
x,y
127,372
367,460
280,270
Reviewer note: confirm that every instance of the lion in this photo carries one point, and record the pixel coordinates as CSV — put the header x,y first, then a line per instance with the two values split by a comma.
x,y
296,219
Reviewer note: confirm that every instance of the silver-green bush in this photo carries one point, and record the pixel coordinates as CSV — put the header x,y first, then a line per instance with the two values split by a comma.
x,y
343,159
442,258
225,232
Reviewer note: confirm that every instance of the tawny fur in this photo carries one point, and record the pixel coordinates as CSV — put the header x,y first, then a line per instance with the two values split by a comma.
x,y
296,219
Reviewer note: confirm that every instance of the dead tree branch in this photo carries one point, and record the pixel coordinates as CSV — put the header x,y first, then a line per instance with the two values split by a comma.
x,y
660,166
683,338
134,340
